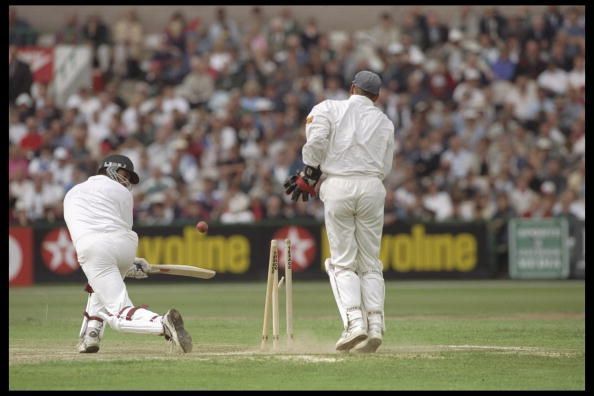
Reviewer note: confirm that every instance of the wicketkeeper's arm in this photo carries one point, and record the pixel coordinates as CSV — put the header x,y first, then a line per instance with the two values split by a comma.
x,y
317,133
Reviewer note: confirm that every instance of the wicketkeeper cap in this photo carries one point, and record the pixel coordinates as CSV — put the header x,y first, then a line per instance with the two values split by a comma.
x,y
368,81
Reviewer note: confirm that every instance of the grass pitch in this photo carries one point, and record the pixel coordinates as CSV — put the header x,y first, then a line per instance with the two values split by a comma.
x,y
440,335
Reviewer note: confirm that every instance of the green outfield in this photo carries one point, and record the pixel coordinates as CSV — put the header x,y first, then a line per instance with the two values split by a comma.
x,y
441,335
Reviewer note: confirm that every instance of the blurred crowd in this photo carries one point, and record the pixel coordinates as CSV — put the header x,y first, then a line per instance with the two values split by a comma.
x,y
488,108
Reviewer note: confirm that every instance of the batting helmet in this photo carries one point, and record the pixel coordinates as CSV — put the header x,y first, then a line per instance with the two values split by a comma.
x,y
122,162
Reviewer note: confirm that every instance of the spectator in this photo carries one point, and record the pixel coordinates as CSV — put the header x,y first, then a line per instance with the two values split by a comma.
x,y
493,24
553,18
406,199
560,54
467,22
184,164
504,68
71,33
435,33
546,201
468,94
574,23
441,83
310,35
20,78
484,206
224,30
553,80
522,101
128,37
175,31
523,199
473,128
61,167
20,32
437,201
236,206
20,216
159,181
385,32
577,75
16,129
246,124
41,197
32,141
18,166
274,208
160,211
96,33
531,62
457,159
566,205
539,31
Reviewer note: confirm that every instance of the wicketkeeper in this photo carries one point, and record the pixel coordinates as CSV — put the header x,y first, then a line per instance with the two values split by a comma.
x,y
98,213
351,142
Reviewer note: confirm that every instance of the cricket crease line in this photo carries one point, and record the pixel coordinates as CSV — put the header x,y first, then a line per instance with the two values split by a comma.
x,y
510,348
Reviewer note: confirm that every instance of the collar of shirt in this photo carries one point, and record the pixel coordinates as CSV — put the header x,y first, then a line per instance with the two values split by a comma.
x,y
361,99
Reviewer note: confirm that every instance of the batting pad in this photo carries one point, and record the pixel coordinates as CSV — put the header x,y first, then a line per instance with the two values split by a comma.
x,y
373,294
346,288
94,306
135,320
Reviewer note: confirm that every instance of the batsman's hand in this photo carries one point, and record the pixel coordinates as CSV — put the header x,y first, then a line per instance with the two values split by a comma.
x,y
139,269
303,184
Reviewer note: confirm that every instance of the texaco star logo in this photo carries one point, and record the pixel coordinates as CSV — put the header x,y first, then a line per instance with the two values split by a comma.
x,y
58,252
303,247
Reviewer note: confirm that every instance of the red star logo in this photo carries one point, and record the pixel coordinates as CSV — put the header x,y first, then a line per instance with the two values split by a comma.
x,y
303,247
58,252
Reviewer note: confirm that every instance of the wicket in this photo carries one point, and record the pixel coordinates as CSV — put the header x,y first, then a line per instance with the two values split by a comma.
x,y
272,296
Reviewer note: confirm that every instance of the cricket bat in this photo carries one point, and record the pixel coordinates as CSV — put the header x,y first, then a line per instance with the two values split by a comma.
x,y
181,270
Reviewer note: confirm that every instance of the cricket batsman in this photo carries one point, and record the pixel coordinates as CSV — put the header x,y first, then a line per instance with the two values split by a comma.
x,y
351,142
98,213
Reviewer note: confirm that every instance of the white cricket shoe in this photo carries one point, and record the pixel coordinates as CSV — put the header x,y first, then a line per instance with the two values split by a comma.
x,y
353,335
173,328
373,341
89,343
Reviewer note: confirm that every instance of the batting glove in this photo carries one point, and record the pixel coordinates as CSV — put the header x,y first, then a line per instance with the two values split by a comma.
x,y
139,269
303,184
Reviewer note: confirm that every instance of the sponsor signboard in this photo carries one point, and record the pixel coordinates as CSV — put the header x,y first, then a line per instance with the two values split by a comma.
x,y
538,248
240,252
55,257
20,266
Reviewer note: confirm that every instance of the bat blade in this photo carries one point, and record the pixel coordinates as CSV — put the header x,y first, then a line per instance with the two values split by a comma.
x,y
182,270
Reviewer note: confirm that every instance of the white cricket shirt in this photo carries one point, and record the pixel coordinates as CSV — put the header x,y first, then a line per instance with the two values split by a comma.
x,y
349,138
98,205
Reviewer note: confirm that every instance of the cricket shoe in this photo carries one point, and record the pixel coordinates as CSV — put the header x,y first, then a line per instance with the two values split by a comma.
x,y
353,335
373,341
173,326
89,343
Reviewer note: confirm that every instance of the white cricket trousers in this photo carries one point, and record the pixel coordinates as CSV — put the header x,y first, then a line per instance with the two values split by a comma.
x,y
105,259
354,219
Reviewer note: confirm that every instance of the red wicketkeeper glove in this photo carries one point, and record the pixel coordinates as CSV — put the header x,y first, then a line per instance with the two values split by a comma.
x,y
303,183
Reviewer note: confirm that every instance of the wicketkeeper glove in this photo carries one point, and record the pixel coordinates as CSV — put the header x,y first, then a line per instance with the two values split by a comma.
x,y
139,269
303,183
